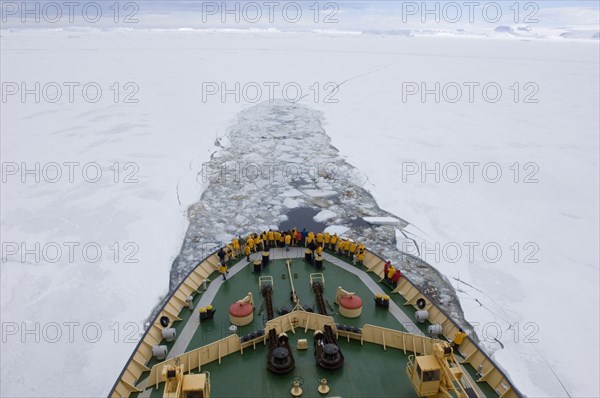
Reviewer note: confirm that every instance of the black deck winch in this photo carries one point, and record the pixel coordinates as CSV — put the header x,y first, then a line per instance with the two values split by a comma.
x,y
279,359
327,353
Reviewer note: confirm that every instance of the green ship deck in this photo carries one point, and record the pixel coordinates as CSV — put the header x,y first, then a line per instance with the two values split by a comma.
x,y
369,370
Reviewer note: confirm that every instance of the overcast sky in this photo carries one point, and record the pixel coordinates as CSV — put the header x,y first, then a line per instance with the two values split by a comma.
x,y
341,15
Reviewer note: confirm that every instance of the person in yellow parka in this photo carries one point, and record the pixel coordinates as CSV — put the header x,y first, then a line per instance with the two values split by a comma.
x,y
293,236
287,240
391,272
458,339
319,250
360,257
229,253
333,242
340,246
352,248
281,240
309,238
337,247
271,238
247,251
258,243
320,239
345,244
250,242
326,239
278,238
235,243
223,271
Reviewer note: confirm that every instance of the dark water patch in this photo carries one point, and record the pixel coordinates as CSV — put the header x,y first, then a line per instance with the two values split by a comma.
x,y
357,223
302,217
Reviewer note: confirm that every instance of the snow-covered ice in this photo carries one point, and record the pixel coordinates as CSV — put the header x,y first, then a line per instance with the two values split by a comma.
x,y
405,244
171,132
289,203
336,229
324,215
381,220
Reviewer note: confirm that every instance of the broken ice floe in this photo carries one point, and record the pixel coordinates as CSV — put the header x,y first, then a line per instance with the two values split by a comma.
x,y
382,220
324,215
290,203
319,193
337,229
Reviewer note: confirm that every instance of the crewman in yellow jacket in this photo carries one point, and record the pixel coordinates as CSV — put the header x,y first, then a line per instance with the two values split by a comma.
x,y
278,238
352,248
319,250
347,248
340,245
309,238
235,243
271,238
458,340
391,272
293,235
258,243
247,251
250,242
223,271
360,257
333,243
229,253
320,239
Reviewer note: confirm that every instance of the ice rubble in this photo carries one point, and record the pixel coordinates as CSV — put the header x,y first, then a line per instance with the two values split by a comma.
x,y
277,156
